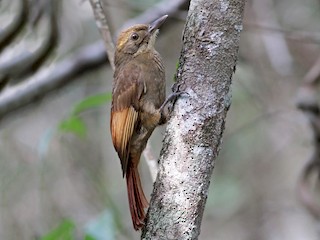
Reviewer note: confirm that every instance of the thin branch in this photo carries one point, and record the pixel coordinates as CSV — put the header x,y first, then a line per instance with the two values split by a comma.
x,y
102,24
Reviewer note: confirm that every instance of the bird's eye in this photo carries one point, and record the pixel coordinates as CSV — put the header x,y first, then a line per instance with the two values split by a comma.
x,y
134,36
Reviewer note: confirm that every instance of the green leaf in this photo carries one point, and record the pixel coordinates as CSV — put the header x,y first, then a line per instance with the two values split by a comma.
x,y
92,102
64,231
73,124
89,237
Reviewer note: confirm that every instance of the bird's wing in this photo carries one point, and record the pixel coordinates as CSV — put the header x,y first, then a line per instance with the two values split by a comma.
x,y
128,89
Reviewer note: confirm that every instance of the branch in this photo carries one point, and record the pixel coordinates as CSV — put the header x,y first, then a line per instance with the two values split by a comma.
x,y
102,24
193,136
63,73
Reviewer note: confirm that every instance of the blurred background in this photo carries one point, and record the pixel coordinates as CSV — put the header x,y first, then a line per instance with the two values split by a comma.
x,y
59,173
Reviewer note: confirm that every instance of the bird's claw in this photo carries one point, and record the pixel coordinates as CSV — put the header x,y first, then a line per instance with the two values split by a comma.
x,y
167,107
172,98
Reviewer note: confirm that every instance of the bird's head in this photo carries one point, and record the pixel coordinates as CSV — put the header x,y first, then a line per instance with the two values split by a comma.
x,y
139,38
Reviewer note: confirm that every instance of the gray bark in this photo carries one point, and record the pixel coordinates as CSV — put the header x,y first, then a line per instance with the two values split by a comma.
x,y
193,135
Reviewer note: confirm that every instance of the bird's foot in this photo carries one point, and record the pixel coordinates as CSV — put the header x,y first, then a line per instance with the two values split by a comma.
x,y
168,105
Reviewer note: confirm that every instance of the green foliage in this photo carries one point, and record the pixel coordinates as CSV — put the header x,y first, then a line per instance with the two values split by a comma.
x,y
92,102
100,228
64,231
74,123
88,237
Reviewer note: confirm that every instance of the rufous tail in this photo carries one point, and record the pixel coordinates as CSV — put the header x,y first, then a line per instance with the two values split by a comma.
x,y
137,199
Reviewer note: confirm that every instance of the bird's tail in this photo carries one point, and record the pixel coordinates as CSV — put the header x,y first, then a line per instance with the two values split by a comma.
x,y
137,199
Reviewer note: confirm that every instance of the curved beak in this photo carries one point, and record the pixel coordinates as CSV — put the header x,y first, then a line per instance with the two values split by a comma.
x,y
157,23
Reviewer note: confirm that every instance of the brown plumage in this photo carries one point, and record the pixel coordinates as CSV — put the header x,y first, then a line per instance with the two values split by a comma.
x,y
137,98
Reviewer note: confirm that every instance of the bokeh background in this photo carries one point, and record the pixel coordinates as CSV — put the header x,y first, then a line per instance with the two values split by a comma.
x,y
59,173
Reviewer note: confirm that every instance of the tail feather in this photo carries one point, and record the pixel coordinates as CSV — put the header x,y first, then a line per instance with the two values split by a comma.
x,y
137,199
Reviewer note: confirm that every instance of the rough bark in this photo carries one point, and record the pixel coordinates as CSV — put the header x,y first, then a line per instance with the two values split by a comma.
x,y
193,136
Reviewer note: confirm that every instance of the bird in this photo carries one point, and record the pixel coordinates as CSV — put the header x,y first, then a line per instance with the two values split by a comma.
x,y
138,105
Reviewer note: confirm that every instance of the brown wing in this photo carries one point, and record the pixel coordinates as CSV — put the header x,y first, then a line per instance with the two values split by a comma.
x,y
127,91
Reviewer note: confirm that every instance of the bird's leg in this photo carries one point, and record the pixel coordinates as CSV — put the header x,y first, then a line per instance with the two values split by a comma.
x,y
166,110
172,98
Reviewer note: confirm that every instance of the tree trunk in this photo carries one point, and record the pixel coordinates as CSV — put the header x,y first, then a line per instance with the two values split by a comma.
x,y
193,136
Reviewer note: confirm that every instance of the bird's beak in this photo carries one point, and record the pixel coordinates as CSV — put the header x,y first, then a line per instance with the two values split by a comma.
x,y
156,24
